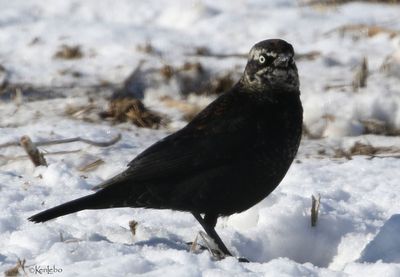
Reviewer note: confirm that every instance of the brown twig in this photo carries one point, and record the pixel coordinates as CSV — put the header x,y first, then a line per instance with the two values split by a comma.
x,y
315,202
361,75
34,154
337,86
132,226
91,166
69,140
87,141
21,157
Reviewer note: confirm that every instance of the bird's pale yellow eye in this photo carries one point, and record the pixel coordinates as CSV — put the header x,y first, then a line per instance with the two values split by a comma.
x,y
261,59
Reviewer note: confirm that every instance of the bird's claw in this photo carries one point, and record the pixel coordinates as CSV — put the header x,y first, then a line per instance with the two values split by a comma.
x,y
210,245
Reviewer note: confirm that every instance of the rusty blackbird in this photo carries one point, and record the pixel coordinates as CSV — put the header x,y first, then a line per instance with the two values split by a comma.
x,y
228,158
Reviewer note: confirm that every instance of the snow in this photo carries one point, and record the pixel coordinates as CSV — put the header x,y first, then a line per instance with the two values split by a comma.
x,y
385,245
356,233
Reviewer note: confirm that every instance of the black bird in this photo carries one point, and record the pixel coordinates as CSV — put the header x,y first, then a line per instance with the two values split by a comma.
x,y
228,158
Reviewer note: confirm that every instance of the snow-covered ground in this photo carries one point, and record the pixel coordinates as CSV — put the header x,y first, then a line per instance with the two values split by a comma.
x,y
358,225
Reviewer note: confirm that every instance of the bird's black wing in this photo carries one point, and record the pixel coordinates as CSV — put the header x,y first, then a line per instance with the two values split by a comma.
x,y
212,138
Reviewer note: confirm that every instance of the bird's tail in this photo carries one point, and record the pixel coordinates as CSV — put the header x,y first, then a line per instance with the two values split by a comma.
x,y
83,203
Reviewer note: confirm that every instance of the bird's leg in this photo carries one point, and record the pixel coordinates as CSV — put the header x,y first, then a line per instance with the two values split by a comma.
x,y
208,223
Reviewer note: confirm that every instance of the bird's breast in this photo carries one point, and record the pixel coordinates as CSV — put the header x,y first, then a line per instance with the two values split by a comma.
x,y
277,136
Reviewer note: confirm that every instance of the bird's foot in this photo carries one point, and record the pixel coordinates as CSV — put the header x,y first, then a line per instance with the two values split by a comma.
x,y
210,245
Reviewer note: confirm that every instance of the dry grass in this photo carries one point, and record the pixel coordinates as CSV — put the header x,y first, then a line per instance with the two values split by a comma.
x,y
379,127
363,30
167,71
14,271
68,52
147,47
365,149
132,110
189,110
371,126
375,126
82,112
339,2
132,226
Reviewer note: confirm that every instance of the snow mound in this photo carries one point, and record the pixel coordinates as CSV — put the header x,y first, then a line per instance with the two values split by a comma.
x,y
386,244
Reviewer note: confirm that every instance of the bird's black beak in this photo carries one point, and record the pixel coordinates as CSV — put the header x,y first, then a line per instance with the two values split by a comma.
x,y
283,61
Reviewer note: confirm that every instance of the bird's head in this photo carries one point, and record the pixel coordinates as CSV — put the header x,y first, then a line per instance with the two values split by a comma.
x,y
271,66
